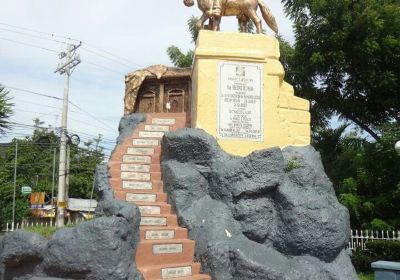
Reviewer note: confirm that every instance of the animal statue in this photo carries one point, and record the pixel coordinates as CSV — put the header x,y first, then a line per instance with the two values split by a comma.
x,y
244,10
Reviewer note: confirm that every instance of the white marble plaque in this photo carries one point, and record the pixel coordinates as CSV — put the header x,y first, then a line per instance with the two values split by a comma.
x,y
145,142
141,151
135,176
163,121
141,197
136,159
150,210
163,128
135,167
132,185
153,221
160,234
240,101
151,134
173,272
167,249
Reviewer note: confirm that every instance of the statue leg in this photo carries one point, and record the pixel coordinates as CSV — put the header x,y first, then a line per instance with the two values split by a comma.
x,y
216,23
256,20
201,21
243,23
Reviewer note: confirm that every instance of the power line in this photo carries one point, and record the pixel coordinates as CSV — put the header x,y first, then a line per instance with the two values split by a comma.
x,y
57,98
106,57
31,35
89,114
29,45
32,92
102,67
37,31
37,104
111,54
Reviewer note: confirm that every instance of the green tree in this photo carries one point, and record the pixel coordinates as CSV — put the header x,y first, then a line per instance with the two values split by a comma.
x,y
35,169
365,175
5,110
347,59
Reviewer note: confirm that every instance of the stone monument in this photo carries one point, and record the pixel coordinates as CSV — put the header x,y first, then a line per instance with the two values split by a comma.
x,y
240,96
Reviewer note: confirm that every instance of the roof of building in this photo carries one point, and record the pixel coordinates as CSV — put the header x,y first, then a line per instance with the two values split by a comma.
x,y
86,205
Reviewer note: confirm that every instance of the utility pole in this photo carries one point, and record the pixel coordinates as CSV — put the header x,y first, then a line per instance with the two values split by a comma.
x,y
65,68
54,181
15,183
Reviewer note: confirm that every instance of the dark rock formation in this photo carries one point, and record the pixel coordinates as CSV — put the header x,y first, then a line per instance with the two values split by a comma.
x,y
270,215
20,254
100,249
128,124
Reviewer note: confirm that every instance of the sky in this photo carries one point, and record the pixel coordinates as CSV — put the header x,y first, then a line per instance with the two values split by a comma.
x,y
118,37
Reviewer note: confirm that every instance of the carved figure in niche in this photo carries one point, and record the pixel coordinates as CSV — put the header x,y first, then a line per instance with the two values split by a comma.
x,y
244,10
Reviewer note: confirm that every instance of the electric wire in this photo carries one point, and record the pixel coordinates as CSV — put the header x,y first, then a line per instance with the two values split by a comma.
x,y
37,31
31,35
29,45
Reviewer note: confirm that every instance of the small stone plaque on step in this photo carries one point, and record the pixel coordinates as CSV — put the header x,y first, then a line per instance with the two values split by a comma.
x,y
153,221
141,151
167,249
150,210
136,159
160,234
145,142
135,167
131,185
172,272
151,134
141,197
163,128
163,121
135,176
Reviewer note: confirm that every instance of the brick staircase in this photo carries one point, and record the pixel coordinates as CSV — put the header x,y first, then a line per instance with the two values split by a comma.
x,y
164,251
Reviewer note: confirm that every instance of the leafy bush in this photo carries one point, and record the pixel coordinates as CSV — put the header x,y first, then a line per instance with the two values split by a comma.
x,y
378,250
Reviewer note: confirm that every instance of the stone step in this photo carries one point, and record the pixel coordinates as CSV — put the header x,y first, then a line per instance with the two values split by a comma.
x,y
154,208
145,142
151,127
162,220
140,151
153,252
169,121
155,186
149,134
150,233
136,159
140,196
136,176
170,271
136,167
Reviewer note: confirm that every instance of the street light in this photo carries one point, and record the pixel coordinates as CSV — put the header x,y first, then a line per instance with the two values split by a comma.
x,y
397,147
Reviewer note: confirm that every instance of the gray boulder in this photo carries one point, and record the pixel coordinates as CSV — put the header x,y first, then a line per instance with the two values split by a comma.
x,y
20,254
270,215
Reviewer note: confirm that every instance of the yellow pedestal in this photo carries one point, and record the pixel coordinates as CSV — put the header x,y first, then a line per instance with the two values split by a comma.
x,y
285,118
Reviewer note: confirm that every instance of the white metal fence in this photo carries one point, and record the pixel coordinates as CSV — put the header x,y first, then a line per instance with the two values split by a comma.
x,y
359,238
11,226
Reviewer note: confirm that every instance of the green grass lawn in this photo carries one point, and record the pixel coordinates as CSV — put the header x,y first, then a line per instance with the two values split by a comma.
x,y
46,232
363,276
